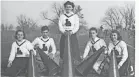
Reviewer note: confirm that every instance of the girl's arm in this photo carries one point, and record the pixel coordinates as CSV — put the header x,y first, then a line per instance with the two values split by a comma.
x,y
110,48
76,28
124,54
61,25
102,43
13,52
87,49
31,48
52,44
35,43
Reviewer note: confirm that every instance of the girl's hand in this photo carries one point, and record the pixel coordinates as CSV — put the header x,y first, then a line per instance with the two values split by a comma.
x,y
71,32
9,64
85,58
81,57
33,52
51,55
68,32
119,66
106,51
36,46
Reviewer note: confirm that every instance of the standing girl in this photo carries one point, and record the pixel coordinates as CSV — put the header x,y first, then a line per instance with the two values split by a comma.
x,y
69,22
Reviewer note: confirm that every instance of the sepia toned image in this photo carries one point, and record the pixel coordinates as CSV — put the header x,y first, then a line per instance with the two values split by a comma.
x,y
68,38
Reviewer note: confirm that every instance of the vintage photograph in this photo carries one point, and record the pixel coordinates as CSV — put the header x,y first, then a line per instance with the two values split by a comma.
x,y
68,38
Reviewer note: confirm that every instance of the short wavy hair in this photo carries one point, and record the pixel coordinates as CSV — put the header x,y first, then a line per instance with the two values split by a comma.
x,y
119,37
17,33
69,3
93,28
43,28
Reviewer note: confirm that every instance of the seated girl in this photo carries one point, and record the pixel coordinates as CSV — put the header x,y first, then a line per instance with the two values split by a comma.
x,y
19,56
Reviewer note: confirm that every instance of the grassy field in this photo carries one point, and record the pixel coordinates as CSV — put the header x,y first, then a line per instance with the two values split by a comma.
x,y
7,37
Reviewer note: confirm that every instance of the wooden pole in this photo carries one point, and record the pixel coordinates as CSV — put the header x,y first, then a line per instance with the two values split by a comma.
x,y
32,69
113,69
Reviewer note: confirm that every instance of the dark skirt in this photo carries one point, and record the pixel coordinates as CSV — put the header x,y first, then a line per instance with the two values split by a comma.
x,y
75,54
18,65
123,71
74,46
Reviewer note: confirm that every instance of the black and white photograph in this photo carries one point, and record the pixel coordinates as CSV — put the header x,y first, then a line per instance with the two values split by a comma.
x,y
68,38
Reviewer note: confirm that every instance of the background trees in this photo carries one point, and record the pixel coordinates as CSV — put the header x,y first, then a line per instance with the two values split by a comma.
x,y
25,23
121,17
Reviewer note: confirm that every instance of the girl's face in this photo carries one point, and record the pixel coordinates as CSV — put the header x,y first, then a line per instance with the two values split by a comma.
x,y
114,36
45,33
20,36
68,8
93,33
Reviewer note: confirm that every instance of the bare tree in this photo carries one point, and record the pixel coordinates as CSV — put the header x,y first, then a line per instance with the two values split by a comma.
x,y
113,18
128,14
26,23
22,21
4,27
10,27
44,15
57,9
118,17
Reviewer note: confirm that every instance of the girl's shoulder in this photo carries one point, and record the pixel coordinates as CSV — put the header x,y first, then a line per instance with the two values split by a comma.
x,y
51,39
122,43
73,15
110,43
38,38
62,15
100,39
27,41
14,43
76,15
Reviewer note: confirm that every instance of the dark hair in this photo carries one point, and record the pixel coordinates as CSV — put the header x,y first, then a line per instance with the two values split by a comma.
x,y
119,37
17,33
69,3
93,28
44,28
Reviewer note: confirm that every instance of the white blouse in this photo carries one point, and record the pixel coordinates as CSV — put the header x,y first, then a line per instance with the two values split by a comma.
x,y
97,46
98,43
48,42
72,18
24,46
121,47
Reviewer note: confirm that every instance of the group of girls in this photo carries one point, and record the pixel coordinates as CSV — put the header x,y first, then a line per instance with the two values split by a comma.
x,y
69,21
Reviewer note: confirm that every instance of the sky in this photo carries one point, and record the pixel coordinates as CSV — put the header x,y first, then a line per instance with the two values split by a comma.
x,y
93,11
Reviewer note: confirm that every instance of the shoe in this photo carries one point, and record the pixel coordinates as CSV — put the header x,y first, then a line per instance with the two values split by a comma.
x,y
132,71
